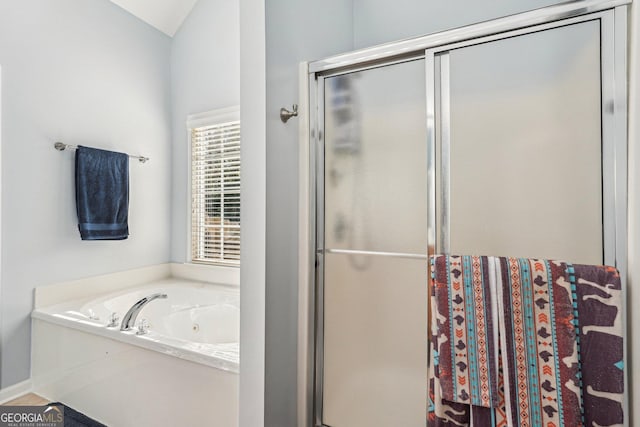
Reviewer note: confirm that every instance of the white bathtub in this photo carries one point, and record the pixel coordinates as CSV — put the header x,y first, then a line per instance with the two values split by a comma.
x,y
184,371
197,322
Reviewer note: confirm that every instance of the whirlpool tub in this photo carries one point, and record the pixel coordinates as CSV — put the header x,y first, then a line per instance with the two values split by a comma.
x,y
197,321
182,371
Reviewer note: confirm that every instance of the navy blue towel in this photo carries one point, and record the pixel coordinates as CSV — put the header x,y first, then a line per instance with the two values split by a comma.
x,y
102,194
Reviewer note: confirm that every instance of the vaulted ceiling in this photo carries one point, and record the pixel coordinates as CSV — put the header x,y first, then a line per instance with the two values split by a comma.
x,y
165,15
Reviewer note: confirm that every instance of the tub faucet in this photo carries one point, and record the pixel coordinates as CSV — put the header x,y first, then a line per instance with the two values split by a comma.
x,y
130,318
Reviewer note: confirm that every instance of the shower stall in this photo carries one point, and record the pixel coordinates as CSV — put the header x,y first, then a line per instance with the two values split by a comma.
x,y
503,138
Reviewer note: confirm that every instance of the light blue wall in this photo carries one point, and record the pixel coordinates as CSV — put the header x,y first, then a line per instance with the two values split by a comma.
x,y
87,72
382,21
297,30
83,72
205,75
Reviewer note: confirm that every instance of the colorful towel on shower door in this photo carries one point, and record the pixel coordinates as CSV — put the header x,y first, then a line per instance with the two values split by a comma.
x,y
601,344
537,331
539,342
468,350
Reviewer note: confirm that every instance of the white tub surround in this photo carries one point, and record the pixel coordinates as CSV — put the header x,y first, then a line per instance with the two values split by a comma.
x,y
197,322
125,385
108,283
182,371
98,285
207,273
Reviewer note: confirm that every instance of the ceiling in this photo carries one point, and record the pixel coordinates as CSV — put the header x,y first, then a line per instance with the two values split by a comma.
x,y
165,15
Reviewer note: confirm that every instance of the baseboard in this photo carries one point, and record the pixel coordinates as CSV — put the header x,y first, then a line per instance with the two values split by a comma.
x,y
15,391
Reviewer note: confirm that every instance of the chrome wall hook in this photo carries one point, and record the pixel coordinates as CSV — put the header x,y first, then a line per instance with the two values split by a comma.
x,y
285,114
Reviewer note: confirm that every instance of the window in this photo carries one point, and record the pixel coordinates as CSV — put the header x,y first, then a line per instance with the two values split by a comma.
x,y
215,187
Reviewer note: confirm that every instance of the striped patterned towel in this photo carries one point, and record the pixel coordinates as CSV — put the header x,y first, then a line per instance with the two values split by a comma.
x,y
601,344
531,306
539,342
468,355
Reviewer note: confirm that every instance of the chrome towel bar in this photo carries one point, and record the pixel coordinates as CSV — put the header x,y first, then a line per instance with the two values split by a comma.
x,y
61,146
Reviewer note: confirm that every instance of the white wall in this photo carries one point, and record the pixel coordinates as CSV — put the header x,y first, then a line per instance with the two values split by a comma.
x,y
83,72
205,75
253,201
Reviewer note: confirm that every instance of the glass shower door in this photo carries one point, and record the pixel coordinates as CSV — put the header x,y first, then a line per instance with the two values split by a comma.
x,y
375,244
509,144
522,146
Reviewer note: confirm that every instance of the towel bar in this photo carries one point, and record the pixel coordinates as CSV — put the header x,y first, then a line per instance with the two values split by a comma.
x,y
61,146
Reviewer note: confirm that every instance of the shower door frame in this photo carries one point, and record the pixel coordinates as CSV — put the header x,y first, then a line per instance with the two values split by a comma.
x,y
613,20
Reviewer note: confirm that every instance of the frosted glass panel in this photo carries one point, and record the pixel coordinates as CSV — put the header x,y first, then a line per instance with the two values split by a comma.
x,y
376,160
526,174
375,341
375,199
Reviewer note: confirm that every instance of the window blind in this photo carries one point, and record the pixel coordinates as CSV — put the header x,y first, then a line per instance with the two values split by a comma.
x,y
215,193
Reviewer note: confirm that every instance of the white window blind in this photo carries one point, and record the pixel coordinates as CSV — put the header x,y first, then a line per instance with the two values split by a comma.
x,y
215,193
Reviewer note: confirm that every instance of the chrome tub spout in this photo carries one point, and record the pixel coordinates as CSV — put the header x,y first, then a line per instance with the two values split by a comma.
x,y
129,319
